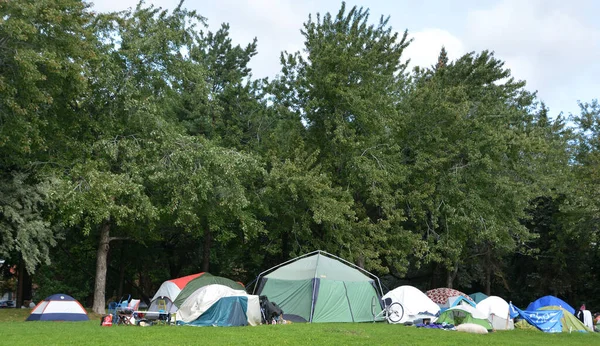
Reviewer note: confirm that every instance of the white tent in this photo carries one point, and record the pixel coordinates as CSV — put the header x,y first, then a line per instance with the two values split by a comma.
x,y
168,292
203,298
414,302
497,311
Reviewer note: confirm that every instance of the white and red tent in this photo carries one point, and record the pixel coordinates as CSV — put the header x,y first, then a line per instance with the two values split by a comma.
x,y
169,290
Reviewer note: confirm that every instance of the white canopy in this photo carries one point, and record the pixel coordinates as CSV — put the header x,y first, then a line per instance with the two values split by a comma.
x,y
413,301
496,309
493,305
203,298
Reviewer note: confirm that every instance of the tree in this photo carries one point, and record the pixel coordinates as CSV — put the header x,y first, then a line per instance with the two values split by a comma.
x,y
139,72
345,91
209,190
44,50
25,231
467,145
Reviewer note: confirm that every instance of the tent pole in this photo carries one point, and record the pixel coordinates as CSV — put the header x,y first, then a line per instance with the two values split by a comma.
x,y
312,303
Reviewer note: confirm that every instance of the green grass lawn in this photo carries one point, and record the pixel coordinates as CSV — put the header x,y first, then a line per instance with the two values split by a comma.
x,y
14,331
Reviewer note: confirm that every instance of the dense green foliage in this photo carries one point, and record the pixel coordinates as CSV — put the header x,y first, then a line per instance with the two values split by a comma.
x,y
136,147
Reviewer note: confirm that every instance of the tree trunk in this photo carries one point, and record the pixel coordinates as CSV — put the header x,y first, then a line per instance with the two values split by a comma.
x,y
101,265
121,271
206,248
451,276
20,277
488,275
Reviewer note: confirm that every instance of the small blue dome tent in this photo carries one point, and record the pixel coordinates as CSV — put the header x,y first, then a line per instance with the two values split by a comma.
x,y
58,307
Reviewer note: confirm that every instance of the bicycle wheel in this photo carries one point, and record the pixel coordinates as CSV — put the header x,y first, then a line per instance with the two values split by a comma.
x,y
374,301
395,312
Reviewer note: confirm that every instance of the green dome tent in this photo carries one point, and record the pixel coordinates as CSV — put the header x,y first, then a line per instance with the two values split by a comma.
x,y
204,280
320,287
464,314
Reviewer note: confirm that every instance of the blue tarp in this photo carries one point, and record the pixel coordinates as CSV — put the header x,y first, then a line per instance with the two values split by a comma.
x,y
226,312
547,321
550,301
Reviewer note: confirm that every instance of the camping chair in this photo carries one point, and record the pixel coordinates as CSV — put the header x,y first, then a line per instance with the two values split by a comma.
x,y
125,311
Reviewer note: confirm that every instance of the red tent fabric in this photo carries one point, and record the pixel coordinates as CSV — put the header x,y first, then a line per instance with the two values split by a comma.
x,y
182,281
441,295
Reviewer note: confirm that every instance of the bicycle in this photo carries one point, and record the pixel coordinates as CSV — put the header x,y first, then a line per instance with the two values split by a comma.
x,y
392,311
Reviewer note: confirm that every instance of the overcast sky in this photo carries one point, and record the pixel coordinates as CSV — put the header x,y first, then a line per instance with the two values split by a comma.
x,y
553,45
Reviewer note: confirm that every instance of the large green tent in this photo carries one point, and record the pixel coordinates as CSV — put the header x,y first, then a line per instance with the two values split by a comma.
x,y
203,280
320,287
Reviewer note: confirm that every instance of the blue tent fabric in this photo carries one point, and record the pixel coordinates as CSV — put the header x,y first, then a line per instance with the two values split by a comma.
x,y
550,301
462,299
58,317
547,321
62,297
226,312
478,297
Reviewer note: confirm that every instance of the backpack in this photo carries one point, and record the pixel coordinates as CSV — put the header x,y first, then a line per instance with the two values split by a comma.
x,y
269,310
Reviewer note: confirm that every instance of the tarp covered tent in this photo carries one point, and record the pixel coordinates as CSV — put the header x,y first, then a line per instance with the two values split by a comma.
x,y
169,290
414,302
497,311
204,280
320,287
478,297
549,301
207,306
569,322
464,314
442,295
226,312
58,307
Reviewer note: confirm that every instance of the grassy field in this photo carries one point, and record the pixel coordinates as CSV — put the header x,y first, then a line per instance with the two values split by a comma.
x,y
14,331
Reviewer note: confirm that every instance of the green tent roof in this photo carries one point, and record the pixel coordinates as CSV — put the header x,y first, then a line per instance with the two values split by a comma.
x,y
204,280
318,266
460,315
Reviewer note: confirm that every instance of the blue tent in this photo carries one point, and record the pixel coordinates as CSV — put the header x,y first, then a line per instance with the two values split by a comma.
x,y
226,312
477,297
58,307
550,301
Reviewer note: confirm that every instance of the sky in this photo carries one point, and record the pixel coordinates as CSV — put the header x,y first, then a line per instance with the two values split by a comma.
x,y
553,45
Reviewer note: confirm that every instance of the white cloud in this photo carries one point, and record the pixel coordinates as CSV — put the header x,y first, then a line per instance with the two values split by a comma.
x,y
542,42
426,46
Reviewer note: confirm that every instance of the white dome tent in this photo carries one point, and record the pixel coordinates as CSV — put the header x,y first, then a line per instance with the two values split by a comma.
x,y
497,311
415,303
